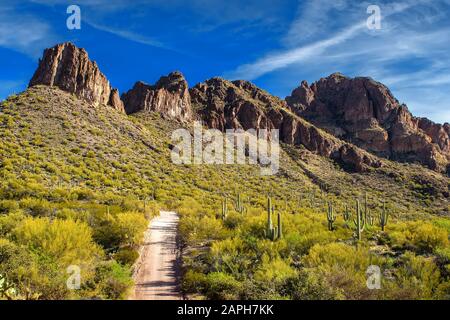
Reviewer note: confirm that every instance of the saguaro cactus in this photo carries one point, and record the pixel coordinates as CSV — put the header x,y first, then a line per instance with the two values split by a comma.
x,y
347,214
273,232
224,209
239,206
383,217
269,217
280,227
360,222
331,217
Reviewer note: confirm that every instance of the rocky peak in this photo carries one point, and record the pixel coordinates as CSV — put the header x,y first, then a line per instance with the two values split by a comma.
x,y
364,112
223,104
70,69
169,96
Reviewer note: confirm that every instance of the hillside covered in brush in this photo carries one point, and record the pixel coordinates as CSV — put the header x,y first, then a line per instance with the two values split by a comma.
x,y
83,170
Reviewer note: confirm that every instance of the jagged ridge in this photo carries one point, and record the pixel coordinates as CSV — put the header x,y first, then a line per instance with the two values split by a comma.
x,y
359,111
364,112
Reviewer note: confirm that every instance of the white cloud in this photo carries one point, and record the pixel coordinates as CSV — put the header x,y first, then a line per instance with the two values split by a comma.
x,y
289,57
314,18
129,35
24,33
316,50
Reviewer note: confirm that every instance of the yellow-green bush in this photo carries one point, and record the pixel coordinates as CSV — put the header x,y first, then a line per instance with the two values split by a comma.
x,y
66,241
418,236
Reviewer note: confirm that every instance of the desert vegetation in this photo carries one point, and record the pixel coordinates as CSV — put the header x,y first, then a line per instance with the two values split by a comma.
x,y
79,184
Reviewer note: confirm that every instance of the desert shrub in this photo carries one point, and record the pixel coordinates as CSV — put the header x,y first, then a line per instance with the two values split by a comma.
x,y
230,256
113,281
122,229
443,255
194,229
222,286
274,270
126,256
341,266
64,241
59,195
33,278
36,207
233,220
82,194
193,282
152,209
418,236
10,221
443,224
131,226
8,205
308,285
417,278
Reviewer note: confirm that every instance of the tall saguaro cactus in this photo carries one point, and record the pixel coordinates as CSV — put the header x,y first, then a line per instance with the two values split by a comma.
x,y
239,206
331,217
383,217
347,214
273,232
224,209
269,217
360,221
280,227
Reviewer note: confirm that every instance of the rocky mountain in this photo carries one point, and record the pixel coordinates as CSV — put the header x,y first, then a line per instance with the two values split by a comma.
x,y
360,118
169,96
223,104
70,69
364,112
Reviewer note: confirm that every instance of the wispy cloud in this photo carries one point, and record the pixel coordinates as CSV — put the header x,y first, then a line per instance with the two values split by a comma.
x,y
125,34
23,32
284,59
291,56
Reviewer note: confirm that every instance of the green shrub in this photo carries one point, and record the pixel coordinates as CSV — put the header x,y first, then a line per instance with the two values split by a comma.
x,y
341,266
418,236
66,241
417,278
126,256
194,282
113,280
221,286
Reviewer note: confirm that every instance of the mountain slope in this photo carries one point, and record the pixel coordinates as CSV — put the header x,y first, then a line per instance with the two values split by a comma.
x,y
63,159
364,112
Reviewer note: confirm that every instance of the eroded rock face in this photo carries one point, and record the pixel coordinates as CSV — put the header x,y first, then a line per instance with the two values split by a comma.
x,y
169,96
222,104
364,112
70,69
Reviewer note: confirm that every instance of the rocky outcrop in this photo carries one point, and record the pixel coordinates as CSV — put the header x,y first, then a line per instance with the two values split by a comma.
x,y
222,104
70,69
364,112
169,96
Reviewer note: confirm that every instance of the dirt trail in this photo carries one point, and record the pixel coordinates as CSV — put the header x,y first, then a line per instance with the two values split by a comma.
x,y
156,274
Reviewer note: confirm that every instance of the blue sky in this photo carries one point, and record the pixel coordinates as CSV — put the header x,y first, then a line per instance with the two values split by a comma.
x,y
274,43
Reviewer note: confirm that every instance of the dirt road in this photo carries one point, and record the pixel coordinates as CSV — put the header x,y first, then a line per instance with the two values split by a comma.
x,y
156,274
